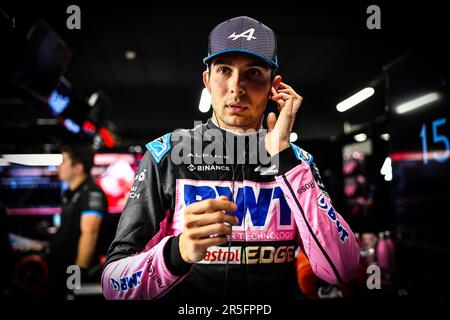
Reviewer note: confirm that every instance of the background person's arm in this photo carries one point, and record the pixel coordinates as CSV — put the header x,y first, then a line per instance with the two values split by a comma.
x,y
90,229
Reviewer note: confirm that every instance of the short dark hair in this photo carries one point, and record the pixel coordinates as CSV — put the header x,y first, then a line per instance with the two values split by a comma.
x,y
80,153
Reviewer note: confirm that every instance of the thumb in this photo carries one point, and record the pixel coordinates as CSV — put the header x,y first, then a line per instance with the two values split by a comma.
x,y
271,120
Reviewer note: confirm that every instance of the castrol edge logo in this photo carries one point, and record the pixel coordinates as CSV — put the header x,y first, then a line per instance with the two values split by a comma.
x,y
218,255
249,255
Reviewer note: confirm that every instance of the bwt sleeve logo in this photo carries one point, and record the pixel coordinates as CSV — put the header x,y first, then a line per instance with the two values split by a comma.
x,y
332,215
127,282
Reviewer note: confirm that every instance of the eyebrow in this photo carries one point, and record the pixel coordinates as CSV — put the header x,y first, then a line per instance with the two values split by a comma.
x,y
251,64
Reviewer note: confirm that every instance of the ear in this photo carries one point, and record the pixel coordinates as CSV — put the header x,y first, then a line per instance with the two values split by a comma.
x,y
206,80
79,168
276,82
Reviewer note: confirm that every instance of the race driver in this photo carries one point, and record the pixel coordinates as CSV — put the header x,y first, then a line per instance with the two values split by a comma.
x,y
208,225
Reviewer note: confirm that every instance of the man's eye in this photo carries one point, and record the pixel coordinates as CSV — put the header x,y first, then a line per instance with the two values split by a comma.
x,y
222,70
254,73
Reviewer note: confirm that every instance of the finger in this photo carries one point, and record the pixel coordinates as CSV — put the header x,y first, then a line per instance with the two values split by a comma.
x,y
287,105
291,92
286,88
212,241
273,91
285,85
280,103
282,96
297,98
199,220
281,99
211,205
287,95
208,230
283,123
271,121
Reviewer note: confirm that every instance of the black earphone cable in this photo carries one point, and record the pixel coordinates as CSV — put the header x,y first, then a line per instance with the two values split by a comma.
x,y
246,145
232,199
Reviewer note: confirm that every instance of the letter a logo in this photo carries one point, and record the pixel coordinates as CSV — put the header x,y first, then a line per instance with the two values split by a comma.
x,y
374,20
74,20
374,280
246,34
73,281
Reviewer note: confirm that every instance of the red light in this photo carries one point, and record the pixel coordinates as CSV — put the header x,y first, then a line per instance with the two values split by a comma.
x,y
107,138
89,127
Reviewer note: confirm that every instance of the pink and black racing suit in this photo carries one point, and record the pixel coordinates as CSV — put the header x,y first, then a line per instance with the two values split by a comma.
x,y
280,207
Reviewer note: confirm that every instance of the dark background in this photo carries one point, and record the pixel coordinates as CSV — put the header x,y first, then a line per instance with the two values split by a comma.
x,y
325,50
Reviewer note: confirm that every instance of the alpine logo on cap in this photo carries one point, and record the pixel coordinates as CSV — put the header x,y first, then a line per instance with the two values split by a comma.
x,y
246,34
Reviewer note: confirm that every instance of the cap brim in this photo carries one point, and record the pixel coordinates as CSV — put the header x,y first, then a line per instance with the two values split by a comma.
x,y
271,62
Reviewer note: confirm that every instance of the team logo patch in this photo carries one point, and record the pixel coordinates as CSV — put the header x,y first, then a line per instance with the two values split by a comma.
x,y
159,147
302,155
246,34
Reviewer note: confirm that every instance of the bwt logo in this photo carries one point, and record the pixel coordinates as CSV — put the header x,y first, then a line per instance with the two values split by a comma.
x,y
332,215
127,282
253,199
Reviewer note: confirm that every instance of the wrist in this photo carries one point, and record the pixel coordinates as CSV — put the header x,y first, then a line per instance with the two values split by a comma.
x,y
274,150
172,256
181,248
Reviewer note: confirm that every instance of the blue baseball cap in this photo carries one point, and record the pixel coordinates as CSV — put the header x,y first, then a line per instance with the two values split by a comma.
x,y
243,34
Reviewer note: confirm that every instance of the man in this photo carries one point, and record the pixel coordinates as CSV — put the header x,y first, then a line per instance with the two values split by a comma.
x,y
229,229
84,206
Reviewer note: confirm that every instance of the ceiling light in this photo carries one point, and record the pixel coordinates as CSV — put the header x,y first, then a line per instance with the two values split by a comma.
x,y
34,159
93,99
360,137
417,103
130,55
355,99
293,137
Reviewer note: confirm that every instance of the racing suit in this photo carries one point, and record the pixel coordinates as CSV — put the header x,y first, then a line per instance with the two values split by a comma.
x,y
279,207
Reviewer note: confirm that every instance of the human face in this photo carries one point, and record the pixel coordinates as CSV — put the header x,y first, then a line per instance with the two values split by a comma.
x,y
67,171
240,86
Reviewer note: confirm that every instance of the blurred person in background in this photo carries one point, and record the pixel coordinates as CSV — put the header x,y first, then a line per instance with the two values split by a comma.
x,y
83,209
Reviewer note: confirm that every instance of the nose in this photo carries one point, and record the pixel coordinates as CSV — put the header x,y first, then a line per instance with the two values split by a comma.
x,y
236,84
